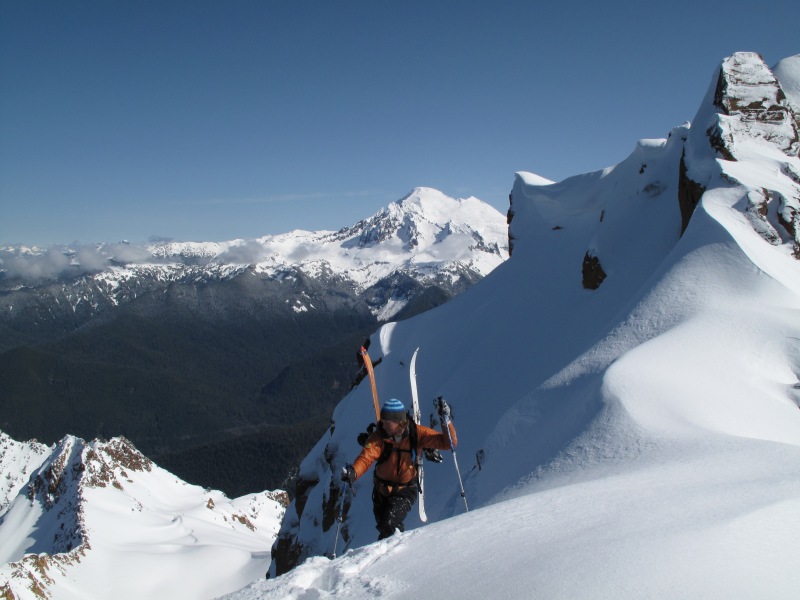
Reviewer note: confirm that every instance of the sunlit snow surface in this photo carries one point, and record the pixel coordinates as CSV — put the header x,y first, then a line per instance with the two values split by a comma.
x,y
641,440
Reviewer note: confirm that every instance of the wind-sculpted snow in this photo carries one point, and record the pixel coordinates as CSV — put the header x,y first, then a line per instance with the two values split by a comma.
x,y
691,524
640,439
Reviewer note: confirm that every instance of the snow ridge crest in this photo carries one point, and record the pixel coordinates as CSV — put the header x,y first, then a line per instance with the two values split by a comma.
x,y
105,501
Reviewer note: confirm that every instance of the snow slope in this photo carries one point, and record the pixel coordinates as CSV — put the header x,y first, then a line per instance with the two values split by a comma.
x,y
100,520
17,461
638,440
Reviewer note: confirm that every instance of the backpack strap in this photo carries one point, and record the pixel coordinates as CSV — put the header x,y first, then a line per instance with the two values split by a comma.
x,y
412,438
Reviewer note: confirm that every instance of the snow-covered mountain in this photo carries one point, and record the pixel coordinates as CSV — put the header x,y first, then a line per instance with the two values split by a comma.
x,y
426,238
625,387
100,520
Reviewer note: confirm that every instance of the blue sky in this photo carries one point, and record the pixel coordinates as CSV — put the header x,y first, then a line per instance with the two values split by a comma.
x,y
219,120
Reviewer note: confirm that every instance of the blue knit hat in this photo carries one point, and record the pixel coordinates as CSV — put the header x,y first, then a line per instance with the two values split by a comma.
x,y
393,410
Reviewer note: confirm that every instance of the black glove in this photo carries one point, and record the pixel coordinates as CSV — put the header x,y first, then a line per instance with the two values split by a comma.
x,y
443,408
348,474
433,455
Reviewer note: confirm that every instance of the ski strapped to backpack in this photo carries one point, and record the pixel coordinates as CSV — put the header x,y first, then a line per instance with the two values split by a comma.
x,y
413,423
367,362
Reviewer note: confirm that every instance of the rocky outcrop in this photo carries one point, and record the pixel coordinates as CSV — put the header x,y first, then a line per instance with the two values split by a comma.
x,y
509,218
110,463
747,113
689,194
315,499
102,498
754,110
752,107
592,271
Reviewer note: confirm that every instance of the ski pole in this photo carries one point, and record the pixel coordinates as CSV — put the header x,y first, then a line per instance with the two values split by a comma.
x,y
340,518
445,416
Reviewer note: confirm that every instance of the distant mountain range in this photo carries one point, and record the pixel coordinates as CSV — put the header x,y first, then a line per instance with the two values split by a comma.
x,y
424,240
185,345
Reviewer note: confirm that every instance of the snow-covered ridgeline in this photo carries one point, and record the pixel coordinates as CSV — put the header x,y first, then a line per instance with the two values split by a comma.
x,y
629,379
638,437
18,460
99,519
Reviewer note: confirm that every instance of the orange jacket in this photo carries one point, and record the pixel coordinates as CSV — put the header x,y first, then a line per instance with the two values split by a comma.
x,y
398,467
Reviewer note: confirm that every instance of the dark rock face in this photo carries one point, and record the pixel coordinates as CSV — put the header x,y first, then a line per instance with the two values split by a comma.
x,y
689,194
287,553
509,218
593,274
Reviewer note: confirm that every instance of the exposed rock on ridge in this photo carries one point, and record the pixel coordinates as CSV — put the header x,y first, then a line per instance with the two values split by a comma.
x,y
752,106
755,115
746,112
94,499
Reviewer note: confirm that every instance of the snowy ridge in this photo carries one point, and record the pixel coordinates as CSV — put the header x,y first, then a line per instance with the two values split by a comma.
x,y
89,508
625,388
17,461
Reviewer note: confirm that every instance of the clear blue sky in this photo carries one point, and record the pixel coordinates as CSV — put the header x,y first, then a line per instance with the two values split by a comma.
x,y
215,120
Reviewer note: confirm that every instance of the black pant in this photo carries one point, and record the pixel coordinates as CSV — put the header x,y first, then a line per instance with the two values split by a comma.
x,y
391,510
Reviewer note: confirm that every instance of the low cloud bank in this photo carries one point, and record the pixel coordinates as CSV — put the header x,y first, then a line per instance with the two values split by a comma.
x,y
66,261
248,253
